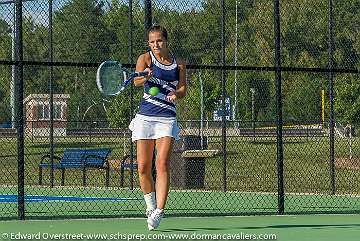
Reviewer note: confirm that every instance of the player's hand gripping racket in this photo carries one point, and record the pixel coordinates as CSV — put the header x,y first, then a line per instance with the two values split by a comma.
x,y
111,77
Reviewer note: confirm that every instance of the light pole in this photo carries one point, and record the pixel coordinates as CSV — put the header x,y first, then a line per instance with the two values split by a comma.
x,y
235,61
201,110
12,82
252,90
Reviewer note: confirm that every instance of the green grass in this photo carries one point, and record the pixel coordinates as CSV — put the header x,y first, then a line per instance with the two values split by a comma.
x,y
251,166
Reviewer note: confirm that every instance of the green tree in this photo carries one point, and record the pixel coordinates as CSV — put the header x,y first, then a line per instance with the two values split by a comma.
x,y
189,108
301,46
5,71
347,53
81,35
35,46
116,20
347,99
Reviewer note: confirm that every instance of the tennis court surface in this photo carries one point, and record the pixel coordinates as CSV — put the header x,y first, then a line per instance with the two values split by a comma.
x,y
46,203
289,228
79,202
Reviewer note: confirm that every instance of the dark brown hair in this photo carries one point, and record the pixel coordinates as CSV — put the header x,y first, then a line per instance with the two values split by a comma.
x,y
158,28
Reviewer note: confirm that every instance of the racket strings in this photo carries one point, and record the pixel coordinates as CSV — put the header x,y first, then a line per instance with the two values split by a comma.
x,y
111,79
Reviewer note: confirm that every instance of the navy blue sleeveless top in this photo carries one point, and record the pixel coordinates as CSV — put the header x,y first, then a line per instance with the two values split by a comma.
x,y
165,77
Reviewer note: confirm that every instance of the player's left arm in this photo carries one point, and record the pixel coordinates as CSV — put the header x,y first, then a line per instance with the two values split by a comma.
x,y
181,86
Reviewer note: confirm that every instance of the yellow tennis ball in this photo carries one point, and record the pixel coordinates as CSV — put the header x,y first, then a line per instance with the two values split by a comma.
x,y
154,91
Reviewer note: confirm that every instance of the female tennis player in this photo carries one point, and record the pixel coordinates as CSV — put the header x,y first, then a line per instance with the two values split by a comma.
x,y
155,125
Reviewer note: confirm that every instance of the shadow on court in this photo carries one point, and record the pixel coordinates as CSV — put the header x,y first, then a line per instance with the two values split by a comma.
x,y
195,229
315,226
306,226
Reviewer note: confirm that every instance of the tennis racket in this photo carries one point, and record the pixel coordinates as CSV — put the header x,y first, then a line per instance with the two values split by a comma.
x,y
111,77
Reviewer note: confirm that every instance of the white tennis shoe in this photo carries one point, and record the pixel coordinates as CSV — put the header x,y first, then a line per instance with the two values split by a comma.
x,y
155,218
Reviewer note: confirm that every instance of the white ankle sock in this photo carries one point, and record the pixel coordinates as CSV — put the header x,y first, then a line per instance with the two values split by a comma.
x,y
150,201
160,210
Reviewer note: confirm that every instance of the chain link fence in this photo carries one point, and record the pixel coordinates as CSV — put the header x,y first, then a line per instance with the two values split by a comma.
x,y
231,158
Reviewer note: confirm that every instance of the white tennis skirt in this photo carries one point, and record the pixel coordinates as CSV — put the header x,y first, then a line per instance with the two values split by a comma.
x,y
153,127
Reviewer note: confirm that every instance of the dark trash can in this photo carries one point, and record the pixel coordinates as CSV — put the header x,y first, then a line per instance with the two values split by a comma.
x,y
187,172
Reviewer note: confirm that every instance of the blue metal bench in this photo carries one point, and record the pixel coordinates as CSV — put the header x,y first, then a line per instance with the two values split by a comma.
x,y
78,159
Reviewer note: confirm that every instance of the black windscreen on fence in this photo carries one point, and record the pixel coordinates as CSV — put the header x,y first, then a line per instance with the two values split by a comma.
x,y
268,125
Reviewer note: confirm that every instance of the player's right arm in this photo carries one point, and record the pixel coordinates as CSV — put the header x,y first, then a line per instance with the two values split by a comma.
x,y
143,64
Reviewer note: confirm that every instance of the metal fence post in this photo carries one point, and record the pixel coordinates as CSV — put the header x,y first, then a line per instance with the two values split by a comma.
x,y
20,106
148,16
51,94
331,96
279,124
130,59
223,93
